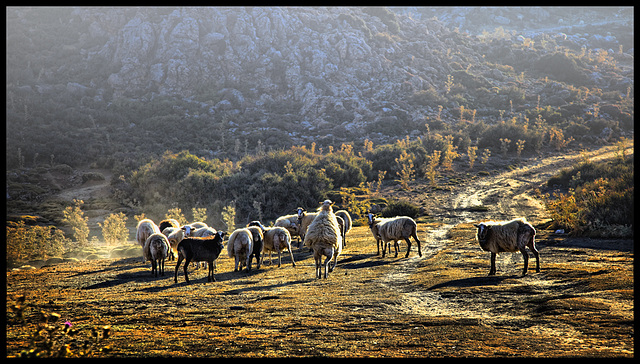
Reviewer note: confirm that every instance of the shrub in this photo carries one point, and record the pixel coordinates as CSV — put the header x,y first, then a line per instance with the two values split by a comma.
x,y
74,217
599,201
114,229
562,67
176,213
25,242
400,208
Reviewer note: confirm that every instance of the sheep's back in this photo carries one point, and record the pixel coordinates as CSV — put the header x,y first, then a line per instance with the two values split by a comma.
x,y
200,249
240,241
397,228
144,229
278,235
155,247
323,231
348,223
503,236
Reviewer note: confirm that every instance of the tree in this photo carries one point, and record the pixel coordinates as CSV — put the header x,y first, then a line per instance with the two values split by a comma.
x,y
229,216
74,217
449,153
405,166
199,213
176,213
432,162
114,229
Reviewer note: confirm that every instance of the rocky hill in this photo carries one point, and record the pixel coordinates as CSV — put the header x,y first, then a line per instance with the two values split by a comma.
x,y
286,75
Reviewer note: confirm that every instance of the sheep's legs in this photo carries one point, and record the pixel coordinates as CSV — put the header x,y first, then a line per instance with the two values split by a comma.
x,y
415,237
493,264
291,255
525,255
154,270
186,264
210,277
318,258
326,262
175,278
533,249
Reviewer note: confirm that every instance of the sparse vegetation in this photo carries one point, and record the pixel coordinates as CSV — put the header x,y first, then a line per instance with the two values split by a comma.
x,y
594,199
114,229
74,217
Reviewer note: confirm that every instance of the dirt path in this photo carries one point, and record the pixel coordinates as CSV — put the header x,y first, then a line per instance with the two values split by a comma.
x,y
505,195
439,305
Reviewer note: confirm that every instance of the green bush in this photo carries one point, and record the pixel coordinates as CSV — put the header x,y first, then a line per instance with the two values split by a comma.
x,y
400,208
563,68
598,201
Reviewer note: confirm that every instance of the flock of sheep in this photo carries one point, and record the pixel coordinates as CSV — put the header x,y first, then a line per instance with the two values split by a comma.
x,y
324,232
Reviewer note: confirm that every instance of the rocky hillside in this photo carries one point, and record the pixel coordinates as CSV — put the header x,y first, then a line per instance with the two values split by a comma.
x,y
285,75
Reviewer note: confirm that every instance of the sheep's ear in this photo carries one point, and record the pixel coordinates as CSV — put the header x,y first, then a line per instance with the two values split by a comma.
x,y
476,225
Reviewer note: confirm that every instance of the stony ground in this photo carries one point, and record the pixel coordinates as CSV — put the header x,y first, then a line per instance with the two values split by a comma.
x,y
442,304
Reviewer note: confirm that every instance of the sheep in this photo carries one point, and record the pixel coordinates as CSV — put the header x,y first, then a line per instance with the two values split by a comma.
x,y
144,229
276,239
197,225
373,226
175,236
324,237
203,232
168,223
199,249
240,246
290,222
304,220
344,214
508,236
394,229
156,249
258,244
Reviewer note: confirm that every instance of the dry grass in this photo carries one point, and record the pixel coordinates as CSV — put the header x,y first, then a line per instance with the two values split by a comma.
x,y
439,305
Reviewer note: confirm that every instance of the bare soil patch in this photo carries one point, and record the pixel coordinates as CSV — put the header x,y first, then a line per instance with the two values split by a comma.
x,y
442,304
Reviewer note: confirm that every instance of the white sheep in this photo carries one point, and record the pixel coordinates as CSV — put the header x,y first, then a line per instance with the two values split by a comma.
x,y
276,239
394,229
203,232
199,249
197,225
156,249
289,222
324,238
240,247
175,236
144,230
344,214
508,236
304,220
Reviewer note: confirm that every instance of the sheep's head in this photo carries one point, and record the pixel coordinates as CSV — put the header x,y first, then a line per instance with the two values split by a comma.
x,y
326,205
372,218
483,232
